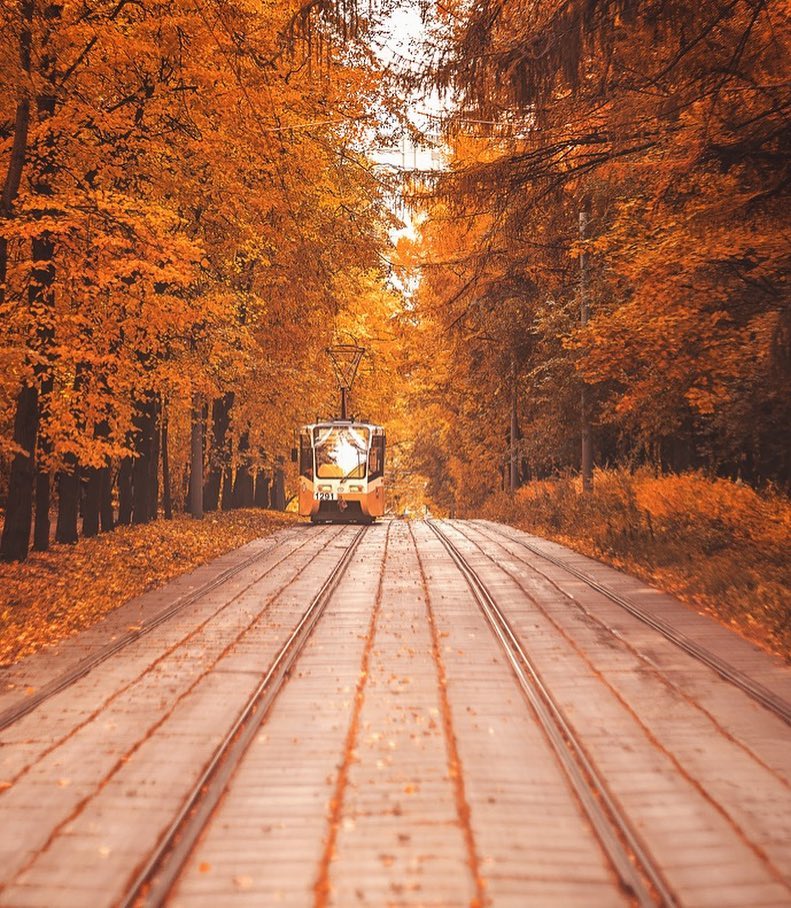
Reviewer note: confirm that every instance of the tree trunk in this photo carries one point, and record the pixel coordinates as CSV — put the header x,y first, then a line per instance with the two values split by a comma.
x,y
261,489
279,487
94,481
227,489
513,479
243,485
16,161
167,503
19,508
586,442
92,503
219,457
106,499
68,501
153,476
43,485
196,458
19,511
15,540
141,470
42,526
125,491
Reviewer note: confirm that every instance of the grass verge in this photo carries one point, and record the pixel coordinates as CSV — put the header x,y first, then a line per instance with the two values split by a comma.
x,y
56,594
718,545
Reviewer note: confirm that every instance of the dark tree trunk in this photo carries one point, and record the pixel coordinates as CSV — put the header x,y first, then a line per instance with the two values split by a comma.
x,y
16,161
92,502
15,540
106,499
167,504
153,473
219,455
42,527
227,489
43,485
279,487
261,489
211,490
19,509
141,469
243,485
68,501
196,458
98,512
125,491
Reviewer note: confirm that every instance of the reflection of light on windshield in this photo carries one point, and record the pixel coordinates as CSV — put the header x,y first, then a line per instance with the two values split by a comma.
x,y
346,455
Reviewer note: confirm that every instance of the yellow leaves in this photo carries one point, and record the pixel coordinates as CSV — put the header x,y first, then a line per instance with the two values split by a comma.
x,y
712,541
60,592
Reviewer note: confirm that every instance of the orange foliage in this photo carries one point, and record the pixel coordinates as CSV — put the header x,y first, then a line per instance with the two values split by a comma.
x,y
718,545
55,594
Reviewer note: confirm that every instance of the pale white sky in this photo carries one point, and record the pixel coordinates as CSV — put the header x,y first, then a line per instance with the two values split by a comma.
x,y
401,37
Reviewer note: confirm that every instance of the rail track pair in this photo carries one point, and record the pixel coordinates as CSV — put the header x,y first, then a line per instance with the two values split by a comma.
x,y
632,863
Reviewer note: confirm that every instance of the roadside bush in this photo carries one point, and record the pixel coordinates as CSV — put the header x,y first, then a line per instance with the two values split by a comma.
x,y
714,543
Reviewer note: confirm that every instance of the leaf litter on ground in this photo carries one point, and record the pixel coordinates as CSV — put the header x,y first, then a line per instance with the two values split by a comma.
x,y
58,593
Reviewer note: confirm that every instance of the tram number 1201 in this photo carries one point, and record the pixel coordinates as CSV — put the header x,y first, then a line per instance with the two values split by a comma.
x,y
324,496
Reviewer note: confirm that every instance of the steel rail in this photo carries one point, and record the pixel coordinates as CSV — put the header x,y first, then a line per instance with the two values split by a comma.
x,y
630,859
754,689
13,713
152,885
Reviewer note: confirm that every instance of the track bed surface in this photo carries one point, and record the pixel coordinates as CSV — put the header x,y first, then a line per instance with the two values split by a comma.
x,y
434,713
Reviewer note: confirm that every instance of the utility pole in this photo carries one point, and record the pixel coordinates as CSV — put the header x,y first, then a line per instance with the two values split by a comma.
x,y
587,448
514,483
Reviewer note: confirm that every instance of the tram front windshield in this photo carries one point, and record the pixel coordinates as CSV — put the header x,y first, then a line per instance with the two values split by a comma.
x,y
341,451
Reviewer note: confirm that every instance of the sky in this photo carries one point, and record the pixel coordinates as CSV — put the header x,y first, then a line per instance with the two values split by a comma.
x,y
401,36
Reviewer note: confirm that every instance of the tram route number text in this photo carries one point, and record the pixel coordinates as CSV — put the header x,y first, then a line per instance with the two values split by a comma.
x,y
324,496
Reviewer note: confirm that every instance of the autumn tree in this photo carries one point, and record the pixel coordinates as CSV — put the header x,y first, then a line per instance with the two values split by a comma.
x,y
668,127
205,196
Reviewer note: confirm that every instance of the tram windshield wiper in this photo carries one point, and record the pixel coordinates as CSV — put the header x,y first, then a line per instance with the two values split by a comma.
x,y
360,463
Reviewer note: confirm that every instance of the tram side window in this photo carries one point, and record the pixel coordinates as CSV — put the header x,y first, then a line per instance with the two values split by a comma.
x,y
305,456
376,457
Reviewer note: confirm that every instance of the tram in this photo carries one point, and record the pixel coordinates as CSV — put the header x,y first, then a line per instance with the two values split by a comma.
x,y
341,471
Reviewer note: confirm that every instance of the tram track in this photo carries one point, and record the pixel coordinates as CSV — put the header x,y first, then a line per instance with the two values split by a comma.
x,y
629,858
152,884
753,689
61,682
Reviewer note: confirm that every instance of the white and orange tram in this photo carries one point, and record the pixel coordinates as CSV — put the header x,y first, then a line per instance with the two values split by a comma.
x,y
341,471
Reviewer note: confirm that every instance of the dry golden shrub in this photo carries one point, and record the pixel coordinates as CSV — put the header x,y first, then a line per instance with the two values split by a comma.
x,y
716,544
